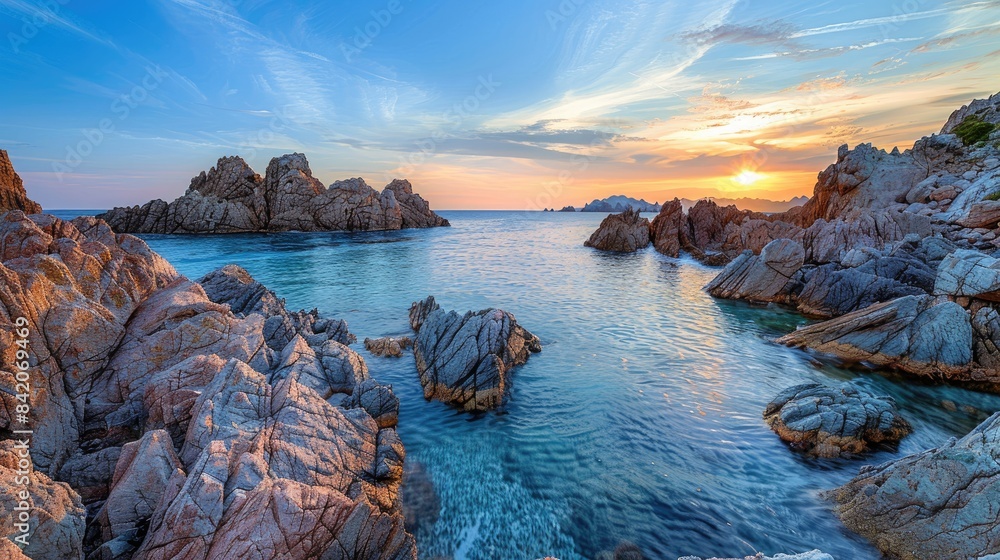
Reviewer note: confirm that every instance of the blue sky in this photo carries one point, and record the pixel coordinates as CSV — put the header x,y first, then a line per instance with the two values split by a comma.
x,y
501,105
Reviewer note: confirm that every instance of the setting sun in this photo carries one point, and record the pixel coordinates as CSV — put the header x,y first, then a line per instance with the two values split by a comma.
x,y
747,177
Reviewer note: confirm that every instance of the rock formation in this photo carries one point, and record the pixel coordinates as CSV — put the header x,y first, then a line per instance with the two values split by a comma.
x,y
192,421
761,278
568,209
620,203
388,347
940,504
833,421
466,360
624,233
232,198
12,193
669,229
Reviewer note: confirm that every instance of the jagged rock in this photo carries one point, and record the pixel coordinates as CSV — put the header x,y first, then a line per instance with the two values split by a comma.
x,y
762,278
466,359
986,338
832,292
969,273
921,335
708,223
56,514
419,310
986,109
827,421
12,193
233,286
568,209
625,233
669,229
388,346
940,504
811,555
283,451
231,198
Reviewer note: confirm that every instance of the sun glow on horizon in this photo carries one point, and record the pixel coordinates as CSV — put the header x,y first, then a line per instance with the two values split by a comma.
x,y
747,177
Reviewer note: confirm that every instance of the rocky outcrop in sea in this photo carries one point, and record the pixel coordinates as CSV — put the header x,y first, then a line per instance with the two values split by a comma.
x,y
466,360
175,419
232,198
623,233
12,193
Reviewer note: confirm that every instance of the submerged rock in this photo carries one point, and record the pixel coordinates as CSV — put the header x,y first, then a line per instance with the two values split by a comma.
x,y
940,504
624,233
12,193
388,347
231,198
812,555
195,428
465,360
832,421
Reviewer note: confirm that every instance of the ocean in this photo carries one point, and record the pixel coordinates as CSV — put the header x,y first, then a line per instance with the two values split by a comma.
x,y
639,422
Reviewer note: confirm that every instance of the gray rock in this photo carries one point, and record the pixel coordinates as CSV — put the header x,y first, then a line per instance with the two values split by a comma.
x,y
921,335
419,310
624,233
940,504
763,278
828,421
969,273
466,359
231,198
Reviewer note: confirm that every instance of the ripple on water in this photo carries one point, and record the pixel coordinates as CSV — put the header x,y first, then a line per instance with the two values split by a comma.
x,y
641,419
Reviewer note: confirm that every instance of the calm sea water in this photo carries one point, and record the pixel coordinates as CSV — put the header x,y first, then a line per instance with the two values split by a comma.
x,y
639,422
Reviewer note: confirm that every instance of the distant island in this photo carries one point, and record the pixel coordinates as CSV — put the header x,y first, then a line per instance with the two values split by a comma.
x,y
620,203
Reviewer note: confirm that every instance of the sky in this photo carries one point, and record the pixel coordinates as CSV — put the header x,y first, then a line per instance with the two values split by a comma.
x,y
520,104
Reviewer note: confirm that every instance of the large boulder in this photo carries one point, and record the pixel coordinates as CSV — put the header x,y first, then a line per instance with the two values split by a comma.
x,y
624,233
195,428
828,421
465,360
940,504
761,278
969,273
232,198
12,193
922,335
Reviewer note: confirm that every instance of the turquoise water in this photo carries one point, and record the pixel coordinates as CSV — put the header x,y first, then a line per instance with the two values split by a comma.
x,y
639,422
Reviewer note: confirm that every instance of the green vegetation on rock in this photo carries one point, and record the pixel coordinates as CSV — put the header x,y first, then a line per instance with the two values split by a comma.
x,y
973,130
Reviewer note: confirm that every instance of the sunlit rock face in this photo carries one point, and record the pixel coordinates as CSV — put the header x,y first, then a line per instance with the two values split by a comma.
x,y
12,193
232,198
198,421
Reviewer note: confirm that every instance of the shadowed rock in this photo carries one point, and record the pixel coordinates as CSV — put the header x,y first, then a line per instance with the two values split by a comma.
x,y
827,421
465,360
624,233
669,229
12,193
419,310
231,198
940,504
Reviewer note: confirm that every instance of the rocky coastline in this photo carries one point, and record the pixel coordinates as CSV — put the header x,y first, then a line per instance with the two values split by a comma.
x,y
232,198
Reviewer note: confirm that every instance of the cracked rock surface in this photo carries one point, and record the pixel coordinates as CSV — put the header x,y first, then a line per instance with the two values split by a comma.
x,y
942,503
466,360
825,421
624,233
190,421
